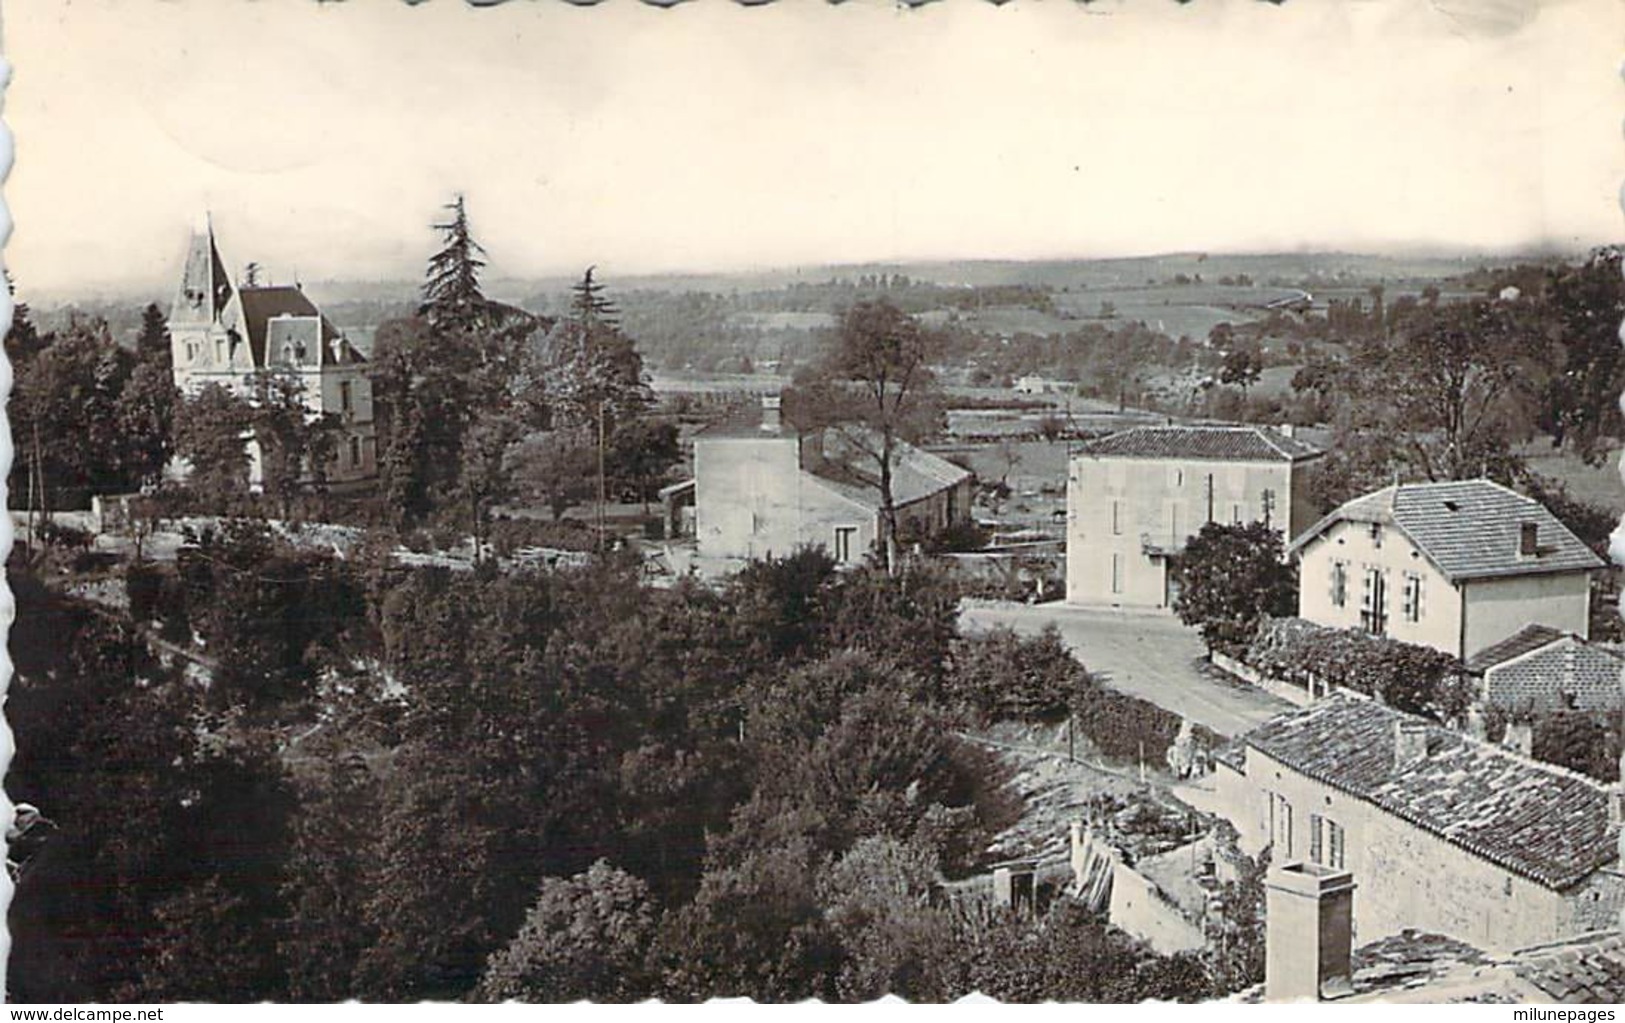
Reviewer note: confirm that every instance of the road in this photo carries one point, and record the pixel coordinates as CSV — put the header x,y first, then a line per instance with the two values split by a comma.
x,y
1145,654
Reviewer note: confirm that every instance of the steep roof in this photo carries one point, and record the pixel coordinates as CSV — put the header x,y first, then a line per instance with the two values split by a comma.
x,y
1542,822
1218,443
745,421
916,474
1530,637
1468,528
262,305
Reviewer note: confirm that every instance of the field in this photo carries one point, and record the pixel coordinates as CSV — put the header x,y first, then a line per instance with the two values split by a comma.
x,y
1598,485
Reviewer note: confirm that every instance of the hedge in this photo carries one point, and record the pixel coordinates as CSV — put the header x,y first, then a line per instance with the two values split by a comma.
x,y
1000,675
1407,677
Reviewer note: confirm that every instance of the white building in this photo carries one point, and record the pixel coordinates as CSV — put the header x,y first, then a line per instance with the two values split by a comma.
x,y
763,488
1456,566
1134,498
221,334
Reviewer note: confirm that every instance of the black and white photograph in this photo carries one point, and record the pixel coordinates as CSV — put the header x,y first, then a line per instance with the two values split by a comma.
x,y
1102,502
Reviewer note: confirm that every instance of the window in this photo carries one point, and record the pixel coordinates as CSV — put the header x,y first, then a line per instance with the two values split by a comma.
x,y
1235,514
355,451
1179,477
1117,573
1373,609
1316,846
1411,604
1266,502
345,406
1334,845
1283,820
1340,583
1117,519
845,538
1376,534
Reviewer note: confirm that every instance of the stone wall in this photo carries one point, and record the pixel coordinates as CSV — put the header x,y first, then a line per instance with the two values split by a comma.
x,y
1410,878
1138,907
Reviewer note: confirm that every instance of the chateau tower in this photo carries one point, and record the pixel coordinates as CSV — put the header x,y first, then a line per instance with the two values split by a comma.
x,y
205,319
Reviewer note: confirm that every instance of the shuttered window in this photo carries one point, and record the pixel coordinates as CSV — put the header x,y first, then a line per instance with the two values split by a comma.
x,y
1340,584
1334,839
1316,847
1373,603
1411,603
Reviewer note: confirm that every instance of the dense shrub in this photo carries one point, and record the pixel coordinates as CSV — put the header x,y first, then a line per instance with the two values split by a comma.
x,y
1584,741
143,584
1002,676
1416,679
508,535
1124,727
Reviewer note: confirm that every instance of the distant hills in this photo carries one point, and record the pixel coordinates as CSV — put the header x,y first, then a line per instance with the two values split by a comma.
x,y
1327,268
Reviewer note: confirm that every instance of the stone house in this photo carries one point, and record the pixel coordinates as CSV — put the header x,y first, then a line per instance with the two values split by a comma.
x,y
1539,670
1456,566
763,488
224,334
1443,833
1135,497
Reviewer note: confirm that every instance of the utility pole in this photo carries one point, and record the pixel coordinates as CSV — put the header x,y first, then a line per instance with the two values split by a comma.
x,y
601,476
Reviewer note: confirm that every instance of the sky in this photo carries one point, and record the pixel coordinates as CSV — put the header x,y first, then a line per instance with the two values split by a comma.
x,y
323,139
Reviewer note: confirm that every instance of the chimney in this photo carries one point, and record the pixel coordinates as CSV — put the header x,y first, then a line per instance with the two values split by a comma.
x,y
771,419
1520,737
1309,932
1288,430
1528,539
1476,726
1410,744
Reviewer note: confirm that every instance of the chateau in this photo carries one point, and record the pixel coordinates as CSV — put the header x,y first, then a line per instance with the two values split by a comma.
x,y
225,334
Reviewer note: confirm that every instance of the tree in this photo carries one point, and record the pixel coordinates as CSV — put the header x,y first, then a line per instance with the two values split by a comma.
x,y
461,357
483,478
1231,578
876,391
210,429
152,344
1242,367
1451,379
559,468
452,299
586,937
295,443
640,455
1583,309
67,415
23,339
146,416
593,373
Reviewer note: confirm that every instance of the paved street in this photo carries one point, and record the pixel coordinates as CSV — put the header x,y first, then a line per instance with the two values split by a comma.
x,y
1145,654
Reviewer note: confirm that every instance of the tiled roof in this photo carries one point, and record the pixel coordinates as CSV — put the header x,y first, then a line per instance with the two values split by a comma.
x,y
1583,972
1566,673
1221,443
1530,637
1542,822
915,475
1470,529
